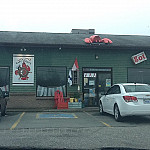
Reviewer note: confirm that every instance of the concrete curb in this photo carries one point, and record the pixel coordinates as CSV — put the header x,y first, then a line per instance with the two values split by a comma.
x,y
88,109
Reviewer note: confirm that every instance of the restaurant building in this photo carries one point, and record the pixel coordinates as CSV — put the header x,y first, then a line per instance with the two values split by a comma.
x,y
34,65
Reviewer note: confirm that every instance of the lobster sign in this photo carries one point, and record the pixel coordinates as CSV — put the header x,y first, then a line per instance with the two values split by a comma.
x,y
23,68
23,71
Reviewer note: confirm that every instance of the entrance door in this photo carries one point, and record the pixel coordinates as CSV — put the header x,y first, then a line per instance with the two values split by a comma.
x,y
90,89
95,85
103,83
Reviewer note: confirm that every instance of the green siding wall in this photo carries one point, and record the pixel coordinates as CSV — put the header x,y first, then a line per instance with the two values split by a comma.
x,y
118,60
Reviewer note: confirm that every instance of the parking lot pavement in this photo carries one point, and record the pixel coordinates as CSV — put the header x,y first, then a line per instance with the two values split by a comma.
x,y
55,120
130,121
26,120
7,121
79,130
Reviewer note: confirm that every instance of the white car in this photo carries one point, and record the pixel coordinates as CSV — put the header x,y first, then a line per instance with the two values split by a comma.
x,y
126,99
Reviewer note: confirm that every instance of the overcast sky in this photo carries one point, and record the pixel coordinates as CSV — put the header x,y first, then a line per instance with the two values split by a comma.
x,y
60,16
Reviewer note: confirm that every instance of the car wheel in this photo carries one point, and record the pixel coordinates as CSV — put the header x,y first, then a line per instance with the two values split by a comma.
x,y
101,108
117,115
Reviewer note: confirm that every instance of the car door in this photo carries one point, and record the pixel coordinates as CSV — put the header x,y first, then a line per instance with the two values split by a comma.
x,y
114,96
110,98
106,99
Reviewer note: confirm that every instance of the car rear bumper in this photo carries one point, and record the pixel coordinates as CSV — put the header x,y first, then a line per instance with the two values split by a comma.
x,y
135,110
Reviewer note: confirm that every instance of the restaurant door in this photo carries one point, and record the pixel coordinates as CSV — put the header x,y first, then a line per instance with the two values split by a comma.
x,y
95,85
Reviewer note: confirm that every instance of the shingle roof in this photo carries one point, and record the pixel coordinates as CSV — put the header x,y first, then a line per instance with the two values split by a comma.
x,y
8,37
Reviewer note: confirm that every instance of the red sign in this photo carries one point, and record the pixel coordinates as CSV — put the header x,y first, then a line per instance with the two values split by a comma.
x,y
138,58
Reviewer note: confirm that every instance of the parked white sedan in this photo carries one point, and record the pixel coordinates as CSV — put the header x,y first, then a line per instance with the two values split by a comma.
x,y
126,99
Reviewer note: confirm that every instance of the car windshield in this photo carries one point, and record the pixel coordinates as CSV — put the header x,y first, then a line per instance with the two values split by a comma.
x,y
137,88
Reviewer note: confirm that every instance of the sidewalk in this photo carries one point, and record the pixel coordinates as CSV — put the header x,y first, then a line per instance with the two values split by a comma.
x,y
87,109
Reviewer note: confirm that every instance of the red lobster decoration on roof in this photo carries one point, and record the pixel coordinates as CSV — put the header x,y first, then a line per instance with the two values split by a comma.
x,y
97,39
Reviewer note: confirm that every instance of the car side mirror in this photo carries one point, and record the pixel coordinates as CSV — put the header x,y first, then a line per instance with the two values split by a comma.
x,y
105,93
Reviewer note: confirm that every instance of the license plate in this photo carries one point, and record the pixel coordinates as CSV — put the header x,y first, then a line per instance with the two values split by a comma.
x,y
146,101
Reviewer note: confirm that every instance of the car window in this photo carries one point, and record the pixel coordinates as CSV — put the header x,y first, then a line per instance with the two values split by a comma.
x,y
137,88
114,90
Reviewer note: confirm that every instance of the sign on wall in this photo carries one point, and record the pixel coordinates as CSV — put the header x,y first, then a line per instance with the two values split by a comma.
x,y
88,75
138,58
108,82
23,69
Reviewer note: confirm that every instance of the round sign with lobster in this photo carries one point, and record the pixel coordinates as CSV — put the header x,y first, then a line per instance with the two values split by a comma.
x,y
23,71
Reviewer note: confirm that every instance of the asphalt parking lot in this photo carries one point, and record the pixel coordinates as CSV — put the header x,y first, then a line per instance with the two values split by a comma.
x,y
81,130
23,120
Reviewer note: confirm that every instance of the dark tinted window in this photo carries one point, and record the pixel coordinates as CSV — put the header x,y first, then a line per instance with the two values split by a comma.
x,y
137,88
4,78
138,75
114,90
50,79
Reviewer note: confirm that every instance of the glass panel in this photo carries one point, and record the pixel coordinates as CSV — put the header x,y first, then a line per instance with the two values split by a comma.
x,y
137,88
114,90
137,75
95,85
90,89
4,79
50,79
104,83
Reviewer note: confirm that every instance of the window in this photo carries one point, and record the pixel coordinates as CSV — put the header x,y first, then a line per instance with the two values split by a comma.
x,y
75,77
114,90
137,88
50,79
139,75
4,79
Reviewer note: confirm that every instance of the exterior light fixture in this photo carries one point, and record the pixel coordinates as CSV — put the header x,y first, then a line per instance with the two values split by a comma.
x,y
23,49
96,57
